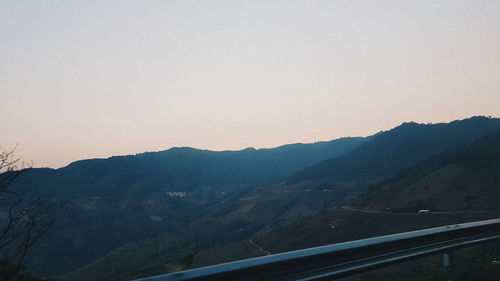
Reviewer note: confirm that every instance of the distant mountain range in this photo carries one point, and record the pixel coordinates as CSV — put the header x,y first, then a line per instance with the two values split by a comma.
x,y
182,169
187,207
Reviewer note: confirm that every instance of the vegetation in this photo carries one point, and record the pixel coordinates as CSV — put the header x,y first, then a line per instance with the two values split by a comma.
x,y
23,222
463,178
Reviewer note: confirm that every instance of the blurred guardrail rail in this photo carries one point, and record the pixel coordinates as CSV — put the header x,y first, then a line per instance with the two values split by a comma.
x,y
344,259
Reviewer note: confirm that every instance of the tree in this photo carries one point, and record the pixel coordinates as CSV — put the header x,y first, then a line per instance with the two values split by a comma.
x,y
24,219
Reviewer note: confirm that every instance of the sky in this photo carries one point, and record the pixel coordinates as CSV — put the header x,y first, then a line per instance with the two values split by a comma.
x,y
96,78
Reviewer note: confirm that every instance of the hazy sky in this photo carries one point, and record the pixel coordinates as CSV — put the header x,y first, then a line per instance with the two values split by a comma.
x,y
84,79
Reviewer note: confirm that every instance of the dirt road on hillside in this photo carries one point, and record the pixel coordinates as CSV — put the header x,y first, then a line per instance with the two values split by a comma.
x,y
262,250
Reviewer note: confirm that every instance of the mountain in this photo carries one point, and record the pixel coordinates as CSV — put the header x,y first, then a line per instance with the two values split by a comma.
x,y
387,152
138,196
195,207
286,217
466,178
182,169
458,185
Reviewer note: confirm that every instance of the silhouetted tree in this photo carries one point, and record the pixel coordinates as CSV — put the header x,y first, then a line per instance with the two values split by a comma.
x,y
23,219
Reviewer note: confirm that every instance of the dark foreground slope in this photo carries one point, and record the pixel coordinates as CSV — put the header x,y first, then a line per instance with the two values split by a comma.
x,y
110,202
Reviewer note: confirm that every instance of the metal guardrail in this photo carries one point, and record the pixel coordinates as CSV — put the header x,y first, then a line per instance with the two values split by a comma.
x,y
344,259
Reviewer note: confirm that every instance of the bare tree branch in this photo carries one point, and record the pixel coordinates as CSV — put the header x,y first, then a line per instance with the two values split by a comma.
x,y
23,221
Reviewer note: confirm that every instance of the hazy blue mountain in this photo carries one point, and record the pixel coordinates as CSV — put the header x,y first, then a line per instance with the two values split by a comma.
x,y
138,196
389,151
183,169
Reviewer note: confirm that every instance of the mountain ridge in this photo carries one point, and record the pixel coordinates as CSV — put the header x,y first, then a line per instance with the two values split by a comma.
x,y
398,147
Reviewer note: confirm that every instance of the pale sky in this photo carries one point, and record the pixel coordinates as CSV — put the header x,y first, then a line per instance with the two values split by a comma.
x,y
84,79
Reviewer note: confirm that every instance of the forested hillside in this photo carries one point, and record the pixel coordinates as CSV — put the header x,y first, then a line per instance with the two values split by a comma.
x,y
389,151
283,217
107,203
